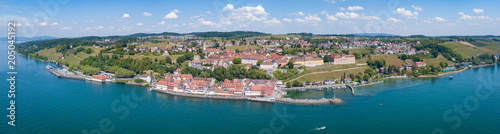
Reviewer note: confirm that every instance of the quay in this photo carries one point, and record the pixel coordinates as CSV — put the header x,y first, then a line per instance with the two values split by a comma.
x,y
258,99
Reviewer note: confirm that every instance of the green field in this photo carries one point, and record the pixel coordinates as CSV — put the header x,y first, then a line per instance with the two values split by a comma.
x,y
359,50
475,48
329,68
49,53
436,61
491,47
330,75
389,59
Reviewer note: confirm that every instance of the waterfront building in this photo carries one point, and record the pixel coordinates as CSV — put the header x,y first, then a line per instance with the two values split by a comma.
x,y
147,78
98,78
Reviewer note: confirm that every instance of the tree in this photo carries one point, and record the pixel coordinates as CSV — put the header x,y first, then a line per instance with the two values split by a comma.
x,y
259,62
168,60
289,84
443,64
326,58
290,64
237,60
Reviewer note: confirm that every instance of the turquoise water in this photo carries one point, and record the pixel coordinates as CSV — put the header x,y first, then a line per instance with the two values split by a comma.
x,y
46,104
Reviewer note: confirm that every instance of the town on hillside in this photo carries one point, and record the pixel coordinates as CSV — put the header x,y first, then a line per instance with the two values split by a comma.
x,y
257,65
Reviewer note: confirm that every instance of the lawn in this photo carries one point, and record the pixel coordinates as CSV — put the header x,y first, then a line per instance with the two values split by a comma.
x,y
330,75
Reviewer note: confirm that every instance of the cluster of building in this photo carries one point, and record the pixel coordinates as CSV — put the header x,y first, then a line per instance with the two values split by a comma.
x,y
186,83
397,48
167,37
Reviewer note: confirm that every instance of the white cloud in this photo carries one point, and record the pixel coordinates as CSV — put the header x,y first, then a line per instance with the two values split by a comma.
x,y
171,15
140,24
99,27
146,14
125,16
406,13
328,16
176,11
272,21
245,13
439,19
308,19
161,23
300,13
370,18
354,8
226,22
43,24
477,11
55,24
417,8
65,28
347,15
472,18
208,12
394,20
287,20
206,22
342,9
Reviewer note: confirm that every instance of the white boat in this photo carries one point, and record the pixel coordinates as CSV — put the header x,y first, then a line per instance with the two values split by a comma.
x,y
323,127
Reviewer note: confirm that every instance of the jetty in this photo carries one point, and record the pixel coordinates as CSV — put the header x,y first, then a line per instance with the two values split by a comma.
x,y
352,89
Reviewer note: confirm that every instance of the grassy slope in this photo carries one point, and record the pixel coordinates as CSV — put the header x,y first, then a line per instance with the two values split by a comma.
x,y
50,53
469,51
330,75
436,61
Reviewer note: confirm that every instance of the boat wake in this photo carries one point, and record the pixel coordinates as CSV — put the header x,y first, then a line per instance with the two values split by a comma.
x,y
318,128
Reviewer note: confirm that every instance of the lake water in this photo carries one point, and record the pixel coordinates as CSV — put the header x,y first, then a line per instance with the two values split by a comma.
x,y
47,104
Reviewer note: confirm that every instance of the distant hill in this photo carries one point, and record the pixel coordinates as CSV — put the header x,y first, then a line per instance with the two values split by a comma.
x,y
373,34
26,39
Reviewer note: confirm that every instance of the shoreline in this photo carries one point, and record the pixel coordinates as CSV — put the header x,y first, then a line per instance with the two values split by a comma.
x,y
260,99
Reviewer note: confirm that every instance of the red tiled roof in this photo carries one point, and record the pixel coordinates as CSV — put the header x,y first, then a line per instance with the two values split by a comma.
x,y
100,77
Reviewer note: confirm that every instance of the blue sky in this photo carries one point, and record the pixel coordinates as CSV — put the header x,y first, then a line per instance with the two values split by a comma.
x,y
75,18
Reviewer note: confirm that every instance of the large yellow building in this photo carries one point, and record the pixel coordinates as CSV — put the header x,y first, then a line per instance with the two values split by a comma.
x,y
307,61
